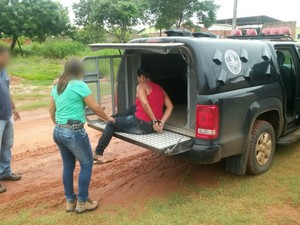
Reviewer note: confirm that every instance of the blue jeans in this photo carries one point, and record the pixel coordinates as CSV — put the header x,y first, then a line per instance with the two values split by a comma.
x,y
6,143
123,123
75,144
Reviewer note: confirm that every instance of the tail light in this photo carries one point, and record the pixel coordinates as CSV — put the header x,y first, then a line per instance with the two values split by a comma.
x,y
207,121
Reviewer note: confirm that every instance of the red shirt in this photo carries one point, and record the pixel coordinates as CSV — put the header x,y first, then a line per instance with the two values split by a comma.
x,y
156,100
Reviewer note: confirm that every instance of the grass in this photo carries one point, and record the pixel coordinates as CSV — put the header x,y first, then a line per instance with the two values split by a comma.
x,y
30,106
268,199
38,74
42,71
36,70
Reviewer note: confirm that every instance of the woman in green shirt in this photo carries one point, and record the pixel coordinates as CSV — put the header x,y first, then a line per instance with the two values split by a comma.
x,y
67,109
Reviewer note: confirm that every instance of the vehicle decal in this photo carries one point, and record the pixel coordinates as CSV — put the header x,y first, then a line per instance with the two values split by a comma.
x,y
233,62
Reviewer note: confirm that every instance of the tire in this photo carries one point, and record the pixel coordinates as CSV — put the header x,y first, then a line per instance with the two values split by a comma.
x,y
261,148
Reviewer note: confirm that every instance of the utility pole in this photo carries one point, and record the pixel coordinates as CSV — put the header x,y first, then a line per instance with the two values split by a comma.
x,y
235,7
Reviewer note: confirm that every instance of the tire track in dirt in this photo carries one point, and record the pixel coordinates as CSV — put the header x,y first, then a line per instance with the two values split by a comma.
x,y
33,153
136,175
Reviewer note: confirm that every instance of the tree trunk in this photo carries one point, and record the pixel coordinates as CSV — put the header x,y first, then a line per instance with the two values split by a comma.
x,y
13,43
19,44
160,32
179,22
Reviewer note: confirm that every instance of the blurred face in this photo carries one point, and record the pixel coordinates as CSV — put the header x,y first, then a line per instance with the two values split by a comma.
x,y
4,59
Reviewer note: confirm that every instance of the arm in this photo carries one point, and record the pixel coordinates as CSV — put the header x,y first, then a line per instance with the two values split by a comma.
x,y
96,108
142,95
14,110
52,109
169,108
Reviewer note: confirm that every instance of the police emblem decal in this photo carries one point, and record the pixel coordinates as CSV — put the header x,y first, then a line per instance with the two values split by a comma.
x,y
233,62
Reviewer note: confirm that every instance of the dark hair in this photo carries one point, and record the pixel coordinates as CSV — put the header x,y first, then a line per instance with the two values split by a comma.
x,y
142,71
73,70
3,49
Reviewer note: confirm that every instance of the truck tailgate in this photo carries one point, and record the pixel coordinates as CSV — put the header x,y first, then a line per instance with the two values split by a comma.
x,y
167,143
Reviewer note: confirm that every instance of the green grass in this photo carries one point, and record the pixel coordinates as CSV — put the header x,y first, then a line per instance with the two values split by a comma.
x,y
42,71
30,106
37,69
39,74
30,96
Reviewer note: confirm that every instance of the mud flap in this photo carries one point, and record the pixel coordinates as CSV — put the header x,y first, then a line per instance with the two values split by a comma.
x,y
167,143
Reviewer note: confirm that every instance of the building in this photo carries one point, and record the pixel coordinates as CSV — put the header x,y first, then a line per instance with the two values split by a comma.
x,y
260,22
221,30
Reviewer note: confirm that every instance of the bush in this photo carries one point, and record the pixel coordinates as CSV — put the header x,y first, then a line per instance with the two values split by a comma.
x,y
51,49
28,50
61,49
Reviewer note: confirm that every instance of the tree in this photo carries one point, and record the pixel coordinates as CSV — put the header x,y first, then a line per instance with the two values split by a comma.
x,y
32,18
177,12
118,16
89,34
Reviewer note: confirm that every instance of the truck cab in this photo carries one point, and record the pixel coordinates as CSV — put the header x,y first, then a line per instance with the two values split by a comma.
x,y
233,98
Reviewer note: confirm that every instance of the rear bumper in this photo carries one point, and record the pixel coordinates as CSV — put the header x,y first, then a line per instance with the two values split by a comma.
x,y
202,154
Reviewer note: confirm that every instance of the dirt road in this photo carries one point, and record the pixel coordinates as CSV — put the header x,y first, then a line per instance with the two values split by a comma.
x,y
137,173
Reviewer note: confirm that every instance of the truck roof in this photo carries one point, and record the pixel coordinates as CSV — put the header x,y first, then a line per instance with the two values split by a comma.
x,y
208,40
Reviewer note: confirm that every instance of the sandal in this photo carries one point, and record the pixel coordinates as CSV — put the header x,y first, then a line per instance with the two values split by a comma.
x,y
2,189
100,159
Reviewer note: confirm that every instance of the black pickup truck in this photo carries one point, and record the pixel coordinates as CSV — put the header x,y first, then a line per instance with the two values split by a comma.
x,y
233,99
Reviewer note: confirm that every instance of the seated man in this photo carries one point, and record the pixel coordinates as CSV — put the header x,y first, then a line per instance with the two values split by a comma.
x,y
145,117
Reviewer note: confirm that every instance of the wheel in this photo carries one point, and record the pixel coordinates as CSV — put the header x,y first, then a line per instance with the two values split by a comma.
x,y
261,148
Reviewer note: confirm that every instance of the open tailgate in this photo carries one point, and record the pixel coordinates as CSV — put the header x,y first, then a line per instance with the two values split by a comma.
x,y
162,48
167,143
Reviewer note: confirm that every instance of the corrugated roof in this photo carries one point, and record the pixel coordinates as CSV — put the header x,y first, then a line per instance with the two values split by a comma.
x,y
251,20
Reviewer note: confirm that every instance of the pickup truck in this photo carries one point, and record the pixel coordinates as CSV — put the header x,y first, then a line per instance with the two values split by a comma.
x,y
233,99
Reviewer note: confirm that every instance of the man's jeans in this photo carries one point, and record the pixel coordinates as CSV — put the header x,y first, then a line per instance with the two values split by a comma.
x,y
75,144
6,143
124,122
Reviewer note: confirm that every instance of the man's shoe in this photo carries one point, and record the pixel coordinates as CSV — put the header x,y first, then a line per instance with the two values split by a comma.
x,y
89,205
2,189
12,177
71,205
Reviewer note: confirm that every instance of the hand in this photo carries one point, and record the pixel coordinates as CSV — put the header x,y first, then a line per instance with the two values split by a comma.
x,y
16,115
158,128
111,119
161,125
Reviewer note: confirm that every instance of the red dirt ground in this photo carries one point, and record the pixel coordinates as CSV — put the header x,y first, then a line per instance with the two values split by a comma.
x,y
135,175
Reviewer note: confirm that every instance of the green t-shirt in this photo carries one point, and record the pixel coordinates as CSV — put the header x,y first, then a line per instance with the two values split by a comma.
x,y
70,104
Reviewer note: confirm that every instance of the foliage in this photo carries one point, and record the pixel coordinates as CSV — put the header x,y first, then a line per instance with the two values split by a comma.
x,y
61,49
168,13
29,50
32,18
119,16
89,34
52,49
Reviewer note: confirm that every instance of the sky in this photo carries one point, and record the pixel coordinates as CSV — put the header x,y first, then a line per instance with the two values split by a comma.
x,y
287,10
